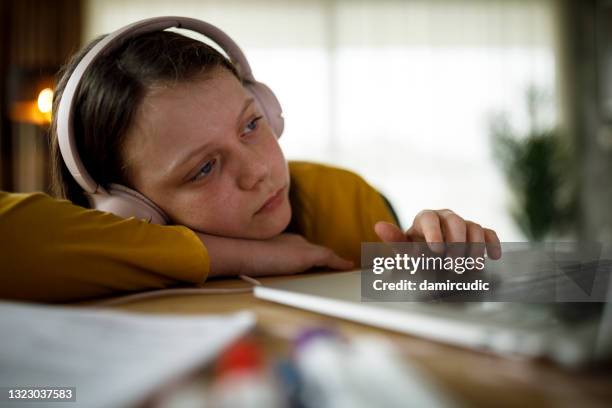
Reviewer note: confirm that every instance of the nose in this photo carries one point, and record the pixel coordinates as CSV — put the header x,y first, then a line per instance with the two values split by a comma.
x,y
254,170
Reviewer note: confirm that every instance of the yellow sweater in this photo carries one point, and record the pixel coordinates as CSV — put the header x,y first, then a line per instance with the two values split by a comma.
x,y
54,251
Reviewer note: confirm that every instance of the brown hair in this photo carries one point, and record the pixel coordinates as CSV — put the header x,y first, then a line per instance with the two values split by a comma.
x,y
109,95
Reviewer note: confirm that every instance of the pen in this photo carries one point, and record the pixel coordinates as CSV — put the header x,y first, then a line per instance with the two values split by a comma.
x,y
290,383
242,379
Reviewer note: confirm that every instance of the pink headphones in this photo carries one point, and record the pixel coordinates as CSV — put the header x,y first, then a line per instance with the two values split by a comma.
x,y
119,199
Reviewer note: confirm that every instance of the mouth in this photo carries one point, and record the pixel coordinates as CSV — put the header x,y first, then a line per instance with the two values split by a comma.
x,y
273,202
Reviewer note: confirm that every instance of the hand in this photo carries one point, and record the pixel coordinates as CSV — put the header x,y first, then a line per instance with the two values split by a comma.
x,y
282,255
441,226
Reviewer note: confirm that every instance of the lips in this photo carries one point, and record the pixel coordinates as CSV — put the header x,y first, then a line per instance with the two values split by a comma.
x,y
272,202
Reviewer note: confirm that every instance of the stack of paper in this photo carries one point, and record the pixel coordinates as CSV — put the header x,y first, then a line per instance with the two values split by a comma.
x,y
112,359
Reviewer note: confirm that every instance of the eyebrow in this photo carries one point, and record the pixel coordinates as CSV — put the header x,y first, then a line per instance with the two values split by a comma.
x,y
189,155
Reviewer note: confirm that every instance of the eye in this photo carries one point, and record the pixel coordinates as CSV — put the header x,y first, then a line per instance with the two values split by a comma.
x,y
204,170
252,125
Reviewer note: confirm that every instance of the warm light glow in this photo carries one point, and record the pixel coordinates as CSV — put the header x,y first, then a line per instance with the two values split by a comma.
x,y
45,100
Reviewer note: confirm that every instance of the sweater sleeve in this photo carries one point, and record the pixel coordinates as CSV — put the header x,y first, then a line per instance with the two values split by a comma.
x,y
335,208
54,251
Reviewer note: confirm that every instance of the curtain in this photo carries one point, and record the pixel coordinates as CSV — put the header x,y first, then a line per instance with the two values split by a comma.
x,y
401,92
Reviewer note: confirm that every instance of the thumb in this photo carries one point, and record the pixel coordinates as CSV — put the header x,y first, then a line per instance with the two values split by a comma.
x,y
388,232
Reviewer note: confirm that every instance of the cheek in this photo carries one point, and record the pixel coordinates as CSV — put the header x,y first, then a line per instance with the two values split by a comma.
x,y
210,210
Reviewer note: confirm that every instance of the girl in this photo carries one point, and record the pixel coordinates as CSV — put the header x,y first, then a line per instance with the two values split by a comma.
x,y
168,116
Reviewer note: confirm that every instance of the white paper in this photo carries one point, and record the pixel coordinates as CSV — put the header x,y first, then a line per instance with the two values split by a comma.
x,y
113,359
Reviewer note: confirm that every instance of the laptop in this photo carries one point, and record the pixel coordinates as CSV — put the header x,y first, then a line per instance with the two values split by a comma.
x,y
569,333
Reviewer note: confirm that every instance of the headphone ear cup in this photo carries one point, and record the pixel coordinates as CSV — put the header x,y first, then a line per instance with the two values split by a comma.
x,y
269,104
126,203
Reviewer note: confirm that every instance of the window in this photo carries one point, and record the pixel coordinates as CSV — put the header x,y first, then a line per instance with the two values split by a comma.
x,y
398,91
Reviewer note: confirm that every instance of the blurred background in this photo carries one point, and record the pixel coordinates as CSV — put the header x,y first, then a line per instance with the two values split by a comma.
x,y
498,109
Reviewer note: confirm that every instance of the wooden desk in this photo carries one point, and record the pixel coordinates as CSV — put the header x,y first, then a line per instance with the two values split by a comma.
x,y
472,378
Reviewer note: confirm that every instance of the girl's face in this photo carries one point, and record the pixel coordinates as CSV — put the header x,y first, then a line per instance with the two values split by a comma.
x,y
204,153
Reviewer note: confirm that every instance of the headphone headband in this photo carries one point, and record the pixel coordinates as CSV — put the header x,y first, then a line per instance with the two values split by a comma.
x,y
65,131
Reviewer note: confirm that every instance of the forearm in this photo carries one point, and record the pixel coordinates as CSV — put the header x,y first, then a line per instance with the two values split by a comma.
x,y
281,255
226,254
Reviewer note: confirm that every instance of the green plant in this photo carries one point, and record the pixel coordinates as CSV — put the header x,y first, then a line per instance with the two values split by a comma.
x,y
539,170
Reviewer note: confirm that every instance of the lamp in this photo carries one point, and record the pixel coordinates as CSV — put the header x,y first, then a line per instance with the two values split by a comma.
x,y
31,97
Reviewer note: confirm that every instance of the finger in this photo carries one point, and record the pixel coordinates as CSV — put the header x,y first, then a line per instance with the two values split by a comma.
x,y
493,244
388,232
454,230
427,226
476,240
453,226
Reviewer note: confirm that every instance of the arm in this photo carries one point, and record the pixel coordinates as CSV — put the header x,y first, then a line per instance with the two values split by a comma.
x,y
54,251
282,255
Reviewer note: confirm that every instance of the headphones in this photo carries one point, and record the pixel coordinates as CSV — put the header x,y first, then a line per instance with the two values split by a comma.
x,y
121,200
